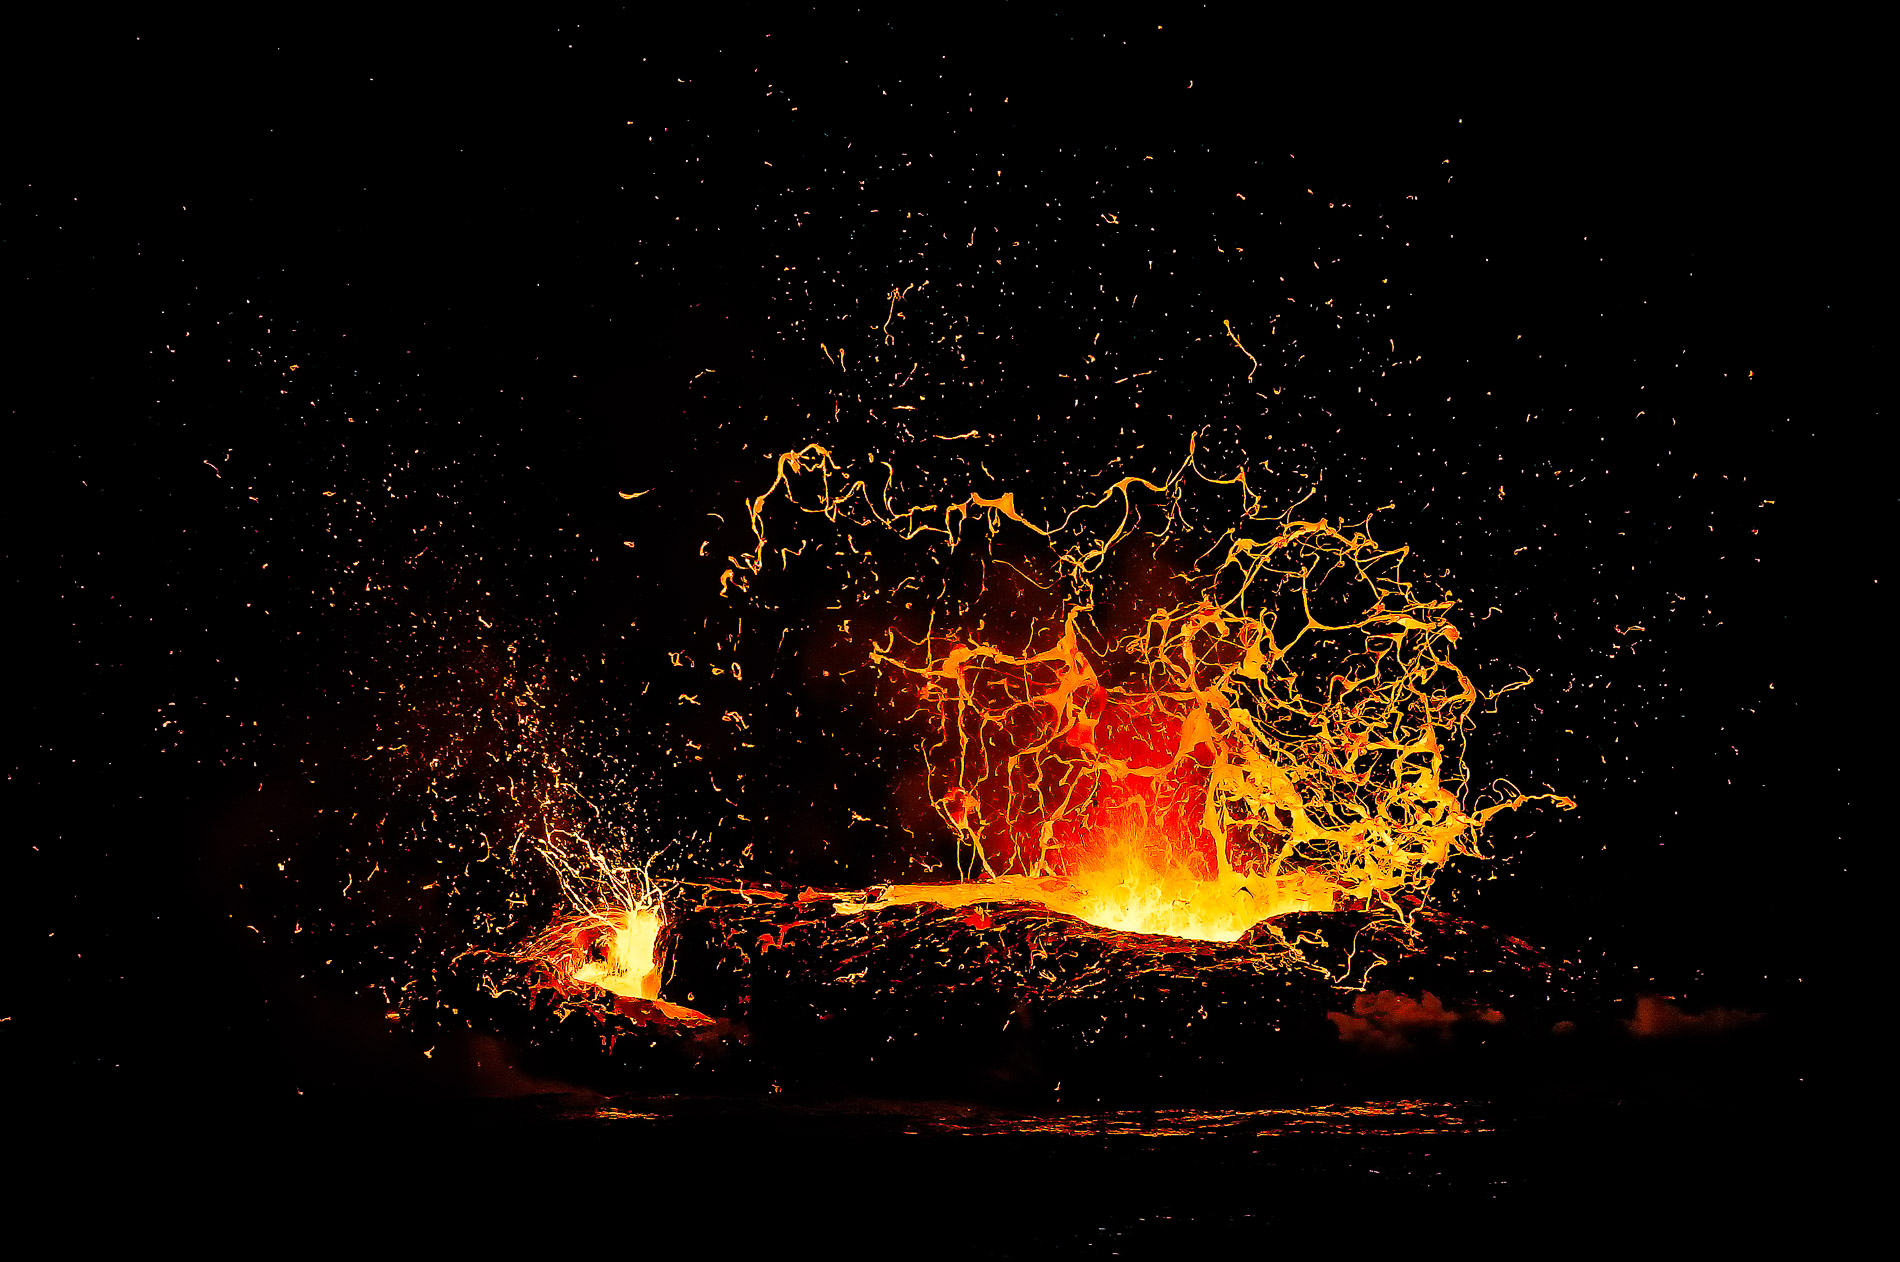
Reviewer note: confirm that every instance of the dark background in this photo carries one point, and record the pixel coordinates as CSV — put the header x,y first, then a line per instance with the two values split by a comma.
x,y
1620,274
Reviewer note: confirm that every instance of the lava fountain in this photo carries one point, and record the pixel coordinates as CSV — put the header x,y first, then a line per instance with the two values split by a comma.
x,y
1274,728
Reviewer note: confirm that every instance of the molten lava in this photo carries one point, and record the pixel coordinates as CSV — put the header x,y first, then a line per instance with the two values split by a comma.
x,y
614,949
628,966
1285,738
1273,727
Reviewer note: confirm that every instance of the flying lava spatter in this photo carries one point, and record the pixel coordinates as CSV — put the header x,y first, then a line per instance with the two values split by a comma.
x,y
1281,733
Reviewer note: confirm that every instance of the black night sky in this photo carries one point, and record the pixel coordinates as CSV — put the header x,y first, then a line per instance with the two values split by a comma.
x,y
304,310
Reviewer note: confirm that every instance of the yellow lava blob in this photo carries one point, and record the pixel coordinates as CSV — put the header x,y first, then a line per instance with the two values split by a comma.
x,y
624,955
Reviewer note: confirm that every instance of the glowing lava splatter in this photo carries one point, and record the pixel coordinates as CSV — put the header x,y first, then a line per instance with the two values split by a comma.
x,y
1280,732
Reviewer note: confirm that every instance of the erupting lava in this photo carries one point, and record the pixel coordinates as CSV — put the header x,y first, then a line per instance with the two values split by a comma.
x,y
1146,744
1285,738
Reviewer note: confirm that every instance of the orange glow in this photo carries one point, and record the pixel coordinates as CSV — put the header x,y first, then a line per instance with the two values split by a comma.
x,y
1387,1021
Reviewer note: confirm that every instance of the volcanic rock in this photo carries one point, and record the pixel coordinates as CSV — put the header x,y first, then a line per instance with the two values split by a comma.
x,y
1010,994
